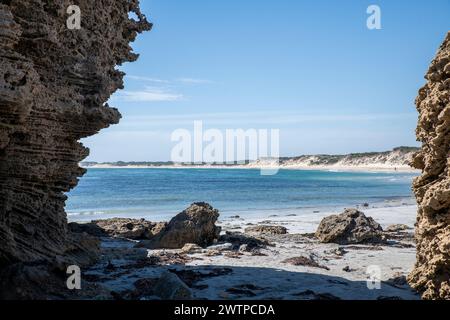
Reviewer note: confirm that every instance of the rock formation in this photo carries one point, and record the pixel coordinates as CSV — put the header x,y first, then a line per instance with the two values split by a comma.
x,y
431,275
264,229
195,224
54,82
135,229
351,226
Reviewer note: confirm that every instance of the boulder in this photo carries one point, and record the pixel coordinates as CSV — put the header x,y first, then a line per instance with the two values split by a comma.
x,y
349,227
54,90
195,224
265,229
170,287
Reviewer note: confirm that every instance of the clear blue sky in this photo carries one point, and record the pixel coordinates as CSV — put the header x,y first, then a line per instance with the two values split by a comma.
x,y
310,68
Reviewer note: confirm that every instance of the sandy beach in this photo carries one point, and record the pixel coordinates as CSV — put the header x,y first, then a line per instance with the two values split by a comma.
x,y
218,272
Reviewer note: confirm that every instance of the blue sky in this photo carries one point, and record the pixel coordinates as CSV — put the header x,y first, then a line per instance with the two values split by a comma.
x,y
309,68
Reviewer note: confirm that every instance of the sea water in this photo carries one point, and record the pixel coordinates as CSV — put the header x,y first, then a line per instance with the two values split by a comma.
x,y
158,194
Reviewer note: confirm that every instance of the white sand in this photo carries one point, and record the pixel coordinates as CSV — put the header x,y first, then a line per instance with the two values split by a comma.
x,y
270,278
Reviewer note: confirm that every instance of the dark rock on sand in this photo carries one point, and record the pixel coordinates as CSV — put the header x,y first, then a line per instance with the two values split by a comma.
x,y
351,226
398,280
304,261
238,239
136,229
195,224
170,287
347,269
191,277
264,229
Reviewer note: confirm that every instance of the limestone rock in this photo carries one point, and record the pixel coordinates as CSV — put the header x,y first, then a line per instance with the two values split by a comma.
x,y
351,226
264,229
431,274
136,229
195,224
54,84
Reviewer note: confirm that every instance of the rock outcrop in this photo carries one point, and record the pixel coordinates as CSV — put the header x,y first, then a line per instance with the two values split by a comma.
x,y
195,224
431,274
135,229
351,226
54,84
265,229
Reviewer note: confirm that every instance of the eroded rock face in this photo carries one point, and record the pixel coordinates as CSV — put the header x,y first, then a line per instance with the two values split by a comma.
x,y
54,83
431,275
351,226
195,224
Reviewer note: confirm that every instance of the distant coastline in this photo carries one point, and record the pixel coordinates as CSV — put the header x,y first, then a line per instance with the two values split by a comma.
x,y
397,159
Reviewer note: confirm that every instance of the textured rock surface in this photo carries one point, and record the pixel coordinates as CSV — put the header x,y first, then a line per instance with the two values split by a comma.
x,y
195,224
351,226
431,275
136,229
263,229
54,83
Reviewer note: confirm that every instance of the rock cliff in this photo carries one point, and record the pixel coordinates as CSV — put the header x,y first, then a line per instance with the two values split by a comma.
x,y
431,275
54,84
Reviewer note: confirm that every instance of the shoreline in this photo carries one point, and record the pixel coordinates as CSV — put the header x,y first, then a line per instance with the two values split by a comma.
x,y
341,273
253,214
387,169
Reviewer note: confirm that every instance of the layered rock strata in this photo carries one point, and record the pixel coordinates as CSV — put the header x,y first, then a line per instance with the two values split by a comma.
x,y
431,274
54,84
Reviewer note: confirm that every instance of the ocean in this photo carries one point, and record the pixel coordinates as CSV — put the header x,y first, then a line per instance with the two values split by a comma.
x,y
158,194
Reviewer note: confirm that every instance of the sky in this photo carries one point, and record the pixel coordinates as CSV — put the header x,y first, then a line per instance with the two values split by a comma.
x,y
311,69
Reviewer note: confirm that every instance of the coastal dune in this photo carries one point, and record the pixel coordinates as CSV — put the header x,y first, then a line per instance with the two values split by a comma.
x,y
398,159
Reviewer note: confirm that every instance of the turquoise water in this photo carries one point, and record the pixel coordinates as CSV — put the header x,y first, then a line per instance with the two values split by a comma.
x,y
158,194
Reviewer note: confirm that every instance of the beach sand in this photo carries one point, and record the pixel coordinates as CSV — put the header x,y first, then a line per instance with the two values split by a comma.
x,y
341,271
